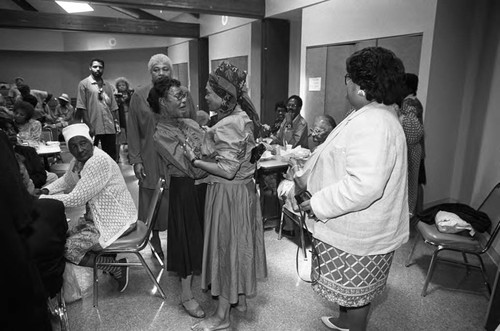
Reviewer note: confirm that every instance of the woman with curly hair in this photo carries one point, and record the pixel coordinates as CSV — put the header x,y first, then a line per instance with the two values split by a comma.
x,y
358,182
233,254
30,130
174,129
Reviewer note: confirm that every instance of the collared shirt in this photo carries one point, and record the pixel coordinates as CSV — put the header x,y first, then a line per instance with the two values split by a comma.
x,y
66,113
98,105
296,135
141,126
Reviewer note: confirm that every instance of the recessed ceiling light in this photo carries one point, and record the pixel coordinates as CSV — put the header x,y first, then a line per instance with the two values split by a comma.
x,y
74,7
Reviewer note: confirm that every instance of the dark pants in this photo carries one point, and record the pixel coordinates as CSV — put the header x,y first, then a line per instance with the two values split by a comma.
x,y
108,143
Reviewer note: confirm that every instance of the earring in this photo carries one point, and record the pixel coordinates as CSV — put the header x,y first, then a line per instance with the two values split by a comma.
x,y
361,93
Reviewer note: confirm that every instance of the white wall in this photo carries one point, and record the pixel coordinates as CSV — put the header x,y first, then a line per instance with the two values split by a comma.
x,y
274,7
59,41
30,40
488,171
213,24
238,42
180,54
338,21
295,49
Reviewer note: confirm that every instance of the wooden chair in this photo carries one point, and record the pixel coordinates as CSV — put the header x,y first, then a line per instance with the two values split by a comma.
x,y
134,243
461,244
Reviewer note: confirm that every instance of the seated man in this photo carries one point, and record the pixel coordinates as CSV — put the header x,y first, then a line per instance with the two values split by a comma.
x,y
323,125
94,180
293,130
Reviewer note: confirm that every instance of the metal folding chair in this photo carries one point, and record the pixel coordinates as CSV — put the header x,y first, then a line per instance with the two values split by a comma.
x,y
134,243
461,244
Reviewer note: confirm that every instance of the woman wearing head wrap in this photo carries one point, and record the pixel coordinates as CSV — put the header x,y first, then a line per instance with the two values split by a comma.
x,y
93,180
233,255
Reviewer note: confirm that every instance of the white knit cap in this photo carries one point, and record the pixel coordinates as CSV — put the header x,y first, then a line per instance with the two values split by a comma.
x,y
78,129
159,59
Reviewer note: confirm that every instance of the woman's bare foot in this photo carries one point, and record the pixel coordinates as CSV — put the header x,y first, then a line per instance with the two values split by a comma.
x,y
211,323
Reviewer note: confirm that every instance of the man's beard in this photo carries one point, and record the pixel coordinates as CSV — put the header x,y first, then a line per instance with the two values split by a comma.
x,y
97,74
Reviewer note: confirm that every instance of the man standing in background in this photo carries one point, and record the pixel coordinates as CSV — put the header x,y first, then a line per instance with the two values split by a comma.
x,y
96,105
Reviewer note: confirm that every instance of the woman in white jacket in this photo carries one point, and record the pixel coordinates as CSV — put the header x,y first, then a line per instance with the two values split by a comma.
x,y
358,182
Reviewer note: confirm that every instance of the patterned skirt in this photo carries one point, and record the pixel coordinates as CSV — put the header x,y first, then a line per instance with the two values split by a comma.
x,y
347,279
80,239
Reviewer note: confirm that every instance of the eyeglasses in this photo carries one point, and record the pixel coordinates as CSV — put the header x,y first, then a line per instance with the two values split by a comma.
x,y
179,96
346,77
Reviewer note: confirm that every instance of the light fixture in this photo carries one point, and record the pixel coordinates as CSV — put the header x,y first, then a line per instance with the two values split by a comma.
x,y
75,7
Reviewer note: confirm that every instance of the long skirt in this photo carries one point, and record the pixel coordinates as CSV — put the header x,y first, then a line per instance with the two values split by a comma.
x,y
234,253
185,226
347,279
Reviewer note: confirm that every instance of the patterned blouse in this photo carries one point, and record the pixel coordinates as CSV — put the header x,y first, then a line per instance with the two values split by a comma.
x,y
30,132
100,184
169,135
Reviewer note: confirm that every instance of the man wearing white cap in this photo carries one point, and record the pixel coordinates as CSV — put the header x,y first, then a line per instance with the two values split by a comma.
x,y
93,180
140,129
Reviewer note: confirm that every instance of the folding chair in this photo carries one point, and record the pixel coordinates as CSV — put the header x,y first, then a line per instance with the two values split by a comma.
x,y
461,244
46,135
134,243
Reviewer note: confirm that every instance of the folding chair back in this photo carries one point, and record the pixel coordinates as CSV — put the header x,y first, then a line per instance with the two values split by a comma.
x,y
134,242
491,206
462,244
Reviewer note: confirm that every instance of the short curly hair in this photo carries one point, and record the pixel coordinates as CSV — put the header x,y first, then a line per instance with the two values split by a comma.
x,y
29,110
379,72
411,82
122,80
297,98
159,90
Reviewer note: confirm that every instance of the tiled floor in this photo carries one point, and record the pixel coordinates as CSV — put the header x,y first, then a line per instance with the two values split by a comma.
x,y
284,302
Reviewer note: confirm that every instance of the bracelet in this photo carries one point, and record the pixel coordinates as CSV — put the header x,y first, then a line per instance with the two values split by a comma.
x,y
194,159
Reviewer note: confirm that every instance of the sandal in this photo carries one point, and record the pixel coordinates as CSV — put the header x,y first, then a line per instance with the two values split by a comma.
x,y
193,308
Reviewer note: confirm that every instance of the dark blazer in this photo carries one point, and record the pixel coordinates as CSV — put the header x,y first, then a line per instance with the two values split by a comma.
x,y
33,164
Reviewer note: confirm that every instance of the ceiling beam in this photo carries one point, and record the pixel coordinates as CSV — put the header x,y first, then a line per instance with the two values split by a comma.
x,y
25,5
37,20
136,13
238,8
